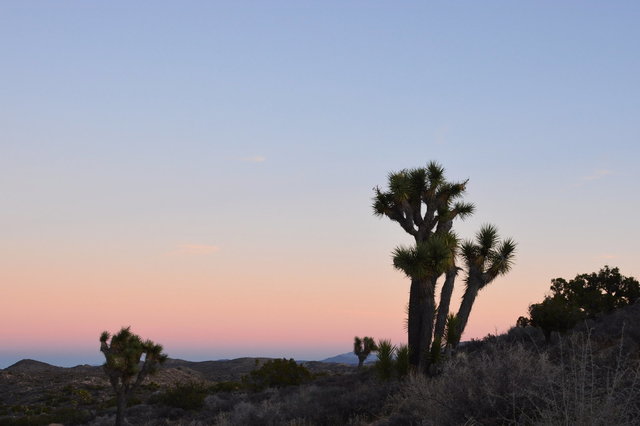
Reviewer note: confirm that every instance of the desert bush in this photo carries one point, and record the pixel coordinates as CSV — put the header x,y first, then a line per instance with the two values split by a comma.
x,y
510,383
188,395
64,415
332,400
481,387
222,401
225,387
277,373
596,386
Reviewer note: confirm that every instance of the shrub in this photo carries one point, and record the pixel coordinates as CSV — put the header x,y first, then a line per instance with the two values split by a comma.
x,y
188,396
473,388
277,373
225,387
501,383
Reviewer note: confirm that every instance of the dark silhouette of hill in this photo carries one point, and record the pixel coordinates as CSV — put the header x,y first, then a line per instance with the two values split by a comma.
x,y
32,366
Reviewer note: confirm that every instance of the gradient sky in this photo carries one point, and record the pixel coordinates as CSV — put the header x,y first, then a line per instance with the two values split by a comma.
x,y
203,171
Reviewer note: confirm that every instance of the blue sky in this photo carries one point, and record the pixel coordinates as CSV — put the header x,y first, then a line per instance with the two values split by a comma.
x,y
258,129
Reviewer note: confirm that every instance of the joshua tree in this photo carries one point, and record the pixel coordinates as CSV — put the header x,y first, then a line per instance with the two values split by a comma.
x,y
425,205
422,263
363,347
123,366
486,258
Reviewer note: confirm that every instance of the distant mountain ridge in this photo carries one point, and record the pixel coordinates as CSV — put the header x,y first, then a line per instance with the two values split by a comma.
x,y
349,358
231,368
221,370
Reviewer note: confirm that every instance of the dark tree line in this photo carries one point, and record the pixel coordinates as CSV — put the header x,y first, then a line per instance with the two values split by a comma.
x,y
584,297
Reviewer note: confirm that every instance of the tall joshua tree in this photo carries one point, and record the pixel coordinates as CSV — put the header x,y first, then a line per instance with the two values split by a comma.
x,y
123,355
485,258
424,204
423,263
363,347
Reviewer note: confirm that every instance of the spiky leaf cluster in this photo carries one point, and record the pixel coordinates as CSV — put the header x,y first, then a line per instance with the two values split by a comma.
x,y
123,354
427,259
486,256
385,363
452,330
421,200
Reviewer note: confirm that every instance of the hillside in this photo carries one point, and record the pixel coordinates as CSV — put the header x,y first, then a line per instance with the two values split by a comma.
x,y
511,378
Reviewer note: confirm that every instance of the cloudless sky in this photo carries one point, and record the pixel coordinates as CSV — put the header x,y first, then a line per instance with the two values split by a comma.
x,y
203,171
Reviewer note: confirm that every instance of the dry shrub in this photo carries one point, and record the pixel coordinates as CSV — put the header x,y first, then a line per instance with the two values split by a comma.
x,y
484,387
597,386
512,384
352,399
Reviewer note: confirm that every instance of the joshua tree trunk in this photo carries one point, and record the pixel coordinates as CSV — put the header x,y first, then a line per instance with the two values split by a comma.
x,y
420,322
468,299
414,323
445,301
122,405
428,308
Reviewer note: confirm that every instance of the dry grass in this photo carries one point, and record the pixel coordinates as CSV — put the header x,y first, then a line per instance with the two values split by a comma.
x,y
575,383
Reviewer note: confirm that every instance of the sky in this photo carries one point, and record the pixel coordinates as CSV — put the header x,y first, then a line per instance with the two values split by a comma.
x,y
202,171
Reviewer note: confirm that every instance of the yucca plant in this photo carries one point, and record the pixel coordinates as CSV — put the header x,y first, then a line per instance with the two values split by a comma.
x,y
385,364
452,331
402,361
435,354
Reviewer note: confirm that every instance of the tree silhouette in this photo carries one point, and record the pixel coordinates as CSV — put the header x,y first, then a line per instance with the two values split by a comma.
x,y
598,292
423,263
425,205
123,365
553,314
585,296
363,347
485,258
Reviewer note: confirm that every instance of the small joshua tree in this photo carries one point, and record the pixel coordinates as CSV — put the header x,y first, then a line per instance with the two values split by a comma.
x,y
123,366
363,347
